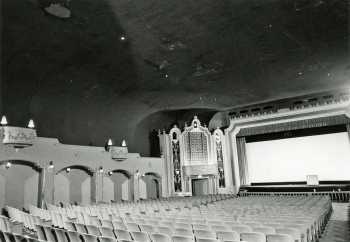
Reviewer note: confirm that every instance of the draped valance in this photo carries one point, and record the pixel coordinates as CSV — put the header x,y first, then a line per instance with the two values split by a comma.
x,y
294,125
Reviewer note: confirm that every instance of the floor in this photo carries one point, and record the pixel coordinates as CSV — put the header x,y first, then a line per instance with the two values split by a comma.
x,y
338,229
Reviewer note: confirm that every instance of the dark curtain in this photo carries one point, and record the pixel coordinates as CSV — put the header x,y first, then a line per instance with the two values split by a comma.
x,y
242,161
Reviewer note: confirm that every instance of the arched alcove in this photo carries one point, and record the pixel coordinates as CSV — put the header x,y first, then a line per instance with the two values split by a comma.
x,y
19,183
73,185
153,184
122,184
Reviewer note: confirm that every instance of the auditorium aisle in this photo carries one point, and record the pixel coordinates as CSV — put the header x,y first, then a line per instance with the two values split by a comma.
x,y
337,229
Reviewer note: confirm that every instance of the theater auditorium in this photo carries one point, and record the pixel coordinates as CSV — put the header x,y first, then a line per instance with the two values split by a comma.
x,y
174,121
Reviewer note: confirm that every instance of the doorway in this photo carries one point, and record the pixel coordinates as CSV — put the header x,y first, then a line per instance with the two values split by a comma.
x,y
200,186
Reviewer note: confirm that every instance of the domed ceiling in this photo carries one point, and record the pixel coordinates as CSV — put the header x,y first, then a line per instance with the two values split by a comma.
x,y
121,68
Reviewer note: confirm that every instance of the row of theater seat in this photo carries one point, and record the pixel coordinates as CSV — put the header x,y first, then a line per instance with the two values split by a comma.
x,y
257,219
58,235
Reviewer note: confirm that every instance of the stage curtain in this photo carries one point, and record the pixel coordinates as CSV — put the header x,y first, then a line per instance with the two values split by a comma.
x,y
348,129
242,160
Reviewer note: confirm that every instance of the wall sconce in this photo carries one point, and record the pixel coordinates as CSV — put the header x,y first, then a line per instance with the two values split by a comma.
x,y
110,173
100,169
8,165
51,166
3,121
68,169
31,124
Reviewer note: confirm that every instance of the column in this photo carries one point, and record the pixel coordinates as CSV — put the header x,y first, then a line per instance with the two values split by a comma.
x,y
97,187
41,187
49,185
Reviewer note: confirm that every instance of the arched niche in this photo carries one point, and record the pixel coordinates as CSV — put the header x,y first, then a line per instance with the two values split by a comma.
x,y
20,184
73,184
122,185
152,185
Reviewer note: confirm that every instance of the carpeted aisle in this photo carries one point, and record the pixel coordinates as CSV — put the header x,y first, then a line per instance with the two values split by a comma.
x,y
337,229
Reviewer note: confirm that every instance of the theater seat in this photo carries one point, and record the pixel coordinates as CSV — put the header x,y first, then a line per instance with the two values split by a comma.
x,y
253,237
228,235
158,237
178,238
279,238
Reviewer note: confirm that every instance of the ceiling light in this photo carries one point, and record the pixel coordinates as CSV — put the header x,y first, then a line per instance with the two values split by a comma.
x,y
122,38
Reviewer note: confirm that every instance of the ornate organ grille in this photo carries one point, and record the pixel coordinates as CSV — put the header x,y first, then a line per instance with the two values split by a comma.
x,y
196,147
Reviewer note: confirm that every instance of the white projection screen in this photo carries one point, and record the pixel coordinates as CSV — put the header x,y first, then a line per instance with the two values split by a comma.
x,y
292,159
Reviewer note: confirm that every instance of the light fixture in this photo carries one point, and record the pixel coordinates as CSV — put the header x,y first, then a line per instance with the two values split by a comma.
x,y
108,144
68,169
123,143
8,165
3,121
51,166
110,173
122,38
100,169
31,124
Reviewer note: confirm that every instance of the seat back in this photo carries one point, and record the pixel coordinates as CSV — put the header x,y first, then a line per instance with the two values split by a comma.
x,y
147,228
48,234
73,236
204,234
228,235
107,232
60,235
133,227
165,230
89,238
295,233
179,238
80,228
207,240
181,231
241,228
92,229
140,236
253,237
107,239
279,238
264,230
40,232
122,234
158,237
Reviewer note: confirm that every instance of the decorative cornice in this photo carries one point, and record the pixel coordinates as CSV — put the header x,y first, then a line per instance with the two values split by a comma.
x,y
295,125
289,106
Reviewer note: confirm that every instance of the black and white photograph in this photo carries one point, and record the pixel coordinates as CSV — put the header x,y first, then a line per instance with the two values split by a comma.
x,y
174,121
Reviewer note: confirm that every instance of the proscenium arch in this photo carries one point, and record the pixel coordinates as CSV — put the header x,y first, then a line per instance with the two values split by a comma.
x,y
87,169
